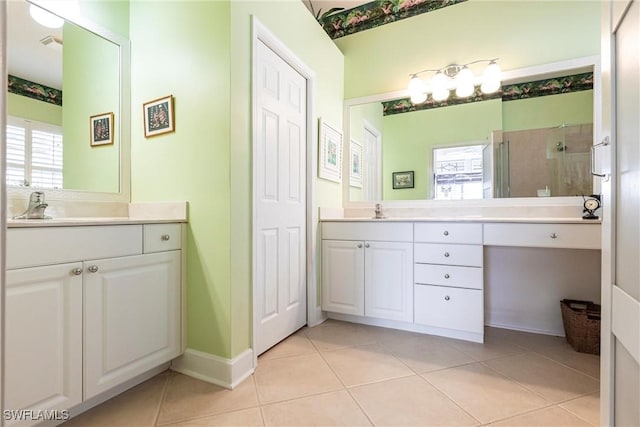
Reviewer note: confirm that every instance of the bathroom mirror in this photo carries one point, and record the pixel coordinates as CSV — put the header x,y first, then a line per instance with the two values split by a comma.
x,y
529,147
68,105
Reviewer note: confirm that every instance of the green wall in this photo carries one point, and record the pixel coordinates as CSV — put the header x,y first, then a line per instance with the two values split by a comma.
x,y
358,115
207,160
31,109
408,140
521,33
90,87
548,111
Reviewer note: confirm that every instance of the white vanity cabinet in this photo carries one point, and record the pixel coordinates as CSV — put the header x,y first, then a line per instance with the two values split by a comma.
x,y
448,277
91,312
367,270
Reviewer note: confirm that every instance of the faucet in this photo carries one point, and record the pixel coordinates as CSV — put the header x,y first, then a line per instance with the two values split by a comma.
x,y
378,211
36,207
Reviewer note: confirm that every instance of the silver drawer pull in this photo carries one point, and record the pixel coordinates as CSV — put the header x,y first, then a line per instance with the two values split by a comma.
x,y
366,245
446,254
359,245
165,237
93,268
76,271
446,276
554,236
446,298
446,233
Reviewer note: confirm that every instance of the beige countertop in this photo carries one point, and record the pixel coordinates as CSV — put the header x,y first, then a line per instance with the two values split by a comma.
x,y
71,222
471,219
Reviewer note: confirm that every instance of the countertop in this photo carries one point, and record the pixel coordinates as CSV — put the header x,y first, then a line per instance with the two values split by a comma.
x,y
84,221
523,220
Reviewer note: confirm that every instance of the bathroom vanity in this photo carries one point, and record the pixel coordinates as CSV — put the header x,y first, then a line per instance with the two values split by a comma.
x,y
447,276
92,306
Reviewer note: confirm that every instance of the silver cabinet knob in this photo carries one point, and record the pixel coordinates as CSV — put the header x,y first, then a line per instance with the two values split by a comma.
x,y
446,298
359,245
446,233
165,237
76,271
554,236
93,268
446,276
366,245
446,254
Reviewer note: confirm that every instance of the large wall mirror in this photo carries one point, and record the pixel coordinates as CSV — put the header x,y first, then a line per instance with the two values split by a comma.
x,y
68,106
523,147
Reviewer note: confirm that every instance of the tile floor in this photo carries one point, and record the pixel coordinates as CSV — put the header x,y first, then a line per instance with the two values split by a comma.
x,y
343,374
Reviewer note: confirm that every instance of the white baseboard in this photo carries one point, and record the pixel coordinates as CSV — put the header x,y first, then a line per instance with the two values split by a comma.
x,y
227,373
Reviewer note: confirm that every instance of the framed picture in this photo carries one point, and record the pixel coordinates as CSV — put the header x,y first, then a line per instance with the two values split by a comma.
x,y
101,129
330,156
355,164
402,180
158,116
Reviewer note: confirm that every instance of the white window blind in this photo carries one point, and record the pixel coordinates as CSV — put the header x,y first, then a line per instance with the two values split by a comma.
x,y
34,154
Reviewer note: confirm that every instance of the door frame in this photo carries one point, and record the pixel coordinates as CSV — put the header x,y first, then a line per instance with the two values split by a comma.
x,y
260,32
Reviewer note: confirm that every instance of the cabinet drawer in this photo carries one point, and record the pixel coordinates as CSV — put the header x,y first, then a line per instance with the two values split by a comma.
x,y
448,275
373,231
448,232
437,253
573,236
451,308
161,237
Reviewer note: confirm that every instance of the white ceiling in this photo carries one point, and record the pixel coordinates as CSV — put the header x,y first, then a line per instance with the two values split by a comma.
x,y
326,5
26,56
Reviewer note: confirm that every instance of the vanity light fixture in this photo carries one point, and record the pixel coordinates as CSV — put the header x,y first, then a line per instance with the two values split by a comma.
x,y
455,77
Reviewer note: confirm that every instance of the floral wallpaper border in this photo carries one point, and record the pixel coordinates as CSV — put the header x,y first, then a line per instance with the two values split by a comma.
x,y
565,84
34,90
376,13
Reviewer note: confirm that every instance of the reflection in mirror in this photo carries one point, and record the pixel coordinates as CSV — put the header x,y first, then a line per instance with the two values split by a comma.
x,y
523,147
59,78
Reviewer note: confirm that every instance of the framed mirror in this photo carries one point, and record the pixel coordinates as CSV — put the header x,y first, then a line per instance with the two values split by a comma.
x,y
68,105
521,144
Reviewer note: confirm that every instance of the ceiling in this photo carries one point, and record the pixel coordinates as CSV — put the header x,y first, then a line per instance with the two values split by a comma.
x,y
325,5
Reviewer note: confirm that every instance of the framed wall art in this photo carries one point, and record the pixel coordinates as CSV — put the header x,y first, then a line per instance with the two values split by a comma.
x,y
330,156
158,116
355,164
402,180
101,129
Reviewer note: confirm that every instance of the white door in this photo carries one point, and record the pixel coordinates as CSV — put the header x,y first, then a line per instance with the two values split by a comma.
x,y
624,343
279,200
372,163
43,341
343,276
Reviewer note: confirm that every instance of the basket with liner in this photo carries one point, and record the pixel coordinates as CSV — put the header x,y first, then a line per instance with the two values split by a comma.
x,y
581,320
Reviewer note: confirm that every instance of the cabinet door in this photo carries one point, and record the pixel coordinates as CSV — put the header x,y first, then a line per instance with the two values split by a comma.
x,y
389,280
43,341
132,317
343,276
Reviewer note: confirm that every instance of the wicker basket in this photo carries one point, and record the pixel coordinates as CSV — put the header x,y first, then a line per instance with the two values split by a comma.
x,y
581,321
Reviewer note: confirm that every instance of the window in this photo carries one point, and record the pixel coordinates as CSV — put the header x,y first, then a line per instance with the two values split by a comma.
x,y
458,172
34,154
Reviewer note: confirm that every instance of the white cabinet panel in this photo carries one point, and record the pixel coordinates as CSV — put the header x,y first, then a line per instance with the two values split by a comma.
x,y
43,342
451,308
343,277
437,253
448,275
448,232
132,317
577,236
389,281
161,237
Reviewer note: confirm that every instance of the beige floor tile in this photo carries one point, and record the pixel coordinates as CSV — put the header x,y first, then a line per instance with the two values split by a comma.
x,y
334,335
484,393
292,377
137,407
586,363
187,398
548,417
526,340
295,345
546,377
251,417
425,353
365,364
585,407
490,349
329,409
409,401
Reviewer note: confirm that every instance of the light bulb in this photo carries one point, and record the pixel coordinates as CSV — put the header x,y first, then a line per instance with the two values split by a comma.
x,y
491,78
417,90
440,94
464,83
440,83
419,98
45,18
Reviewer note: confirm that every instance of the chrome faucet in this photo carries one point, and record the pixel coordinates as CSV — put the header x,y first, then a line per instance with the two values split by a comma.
x,y
378,211
36,207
